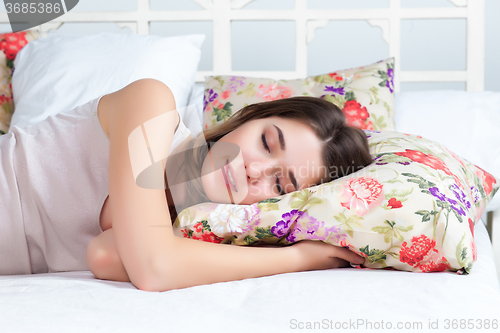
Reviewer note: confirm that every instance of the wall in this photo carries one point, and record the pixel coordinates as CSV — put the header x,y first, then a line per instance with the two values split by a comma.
x,y
426,44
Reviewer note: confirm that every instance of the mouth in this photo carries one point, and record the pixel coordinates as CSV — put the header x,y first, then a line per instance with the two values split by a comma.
x,y
228,174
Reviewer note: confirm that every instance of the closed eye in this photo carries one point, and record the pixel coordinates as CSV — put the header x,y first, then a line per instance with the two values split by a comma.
x,y
264,142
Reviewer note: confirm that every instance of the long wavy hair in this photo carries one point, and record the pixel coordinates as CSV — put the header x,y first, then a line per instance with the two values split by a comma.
x,y
344,148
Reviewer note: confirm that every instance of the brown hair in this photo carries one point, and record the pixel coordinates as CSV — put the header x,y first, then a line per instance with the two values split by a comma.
x,y
345,148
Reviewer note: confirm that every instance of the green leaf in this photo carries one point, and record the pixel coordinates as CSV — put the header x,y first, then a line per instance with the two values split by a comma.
x,y
422,182
390,223
443,204
461,252
315,201
348,222
426,215
398,193
398,235
381,230
374,254
404,229
269,204
391,158
249,240
457,214
378,123
10,63
224,113
350,96
206,226
264,232
336,99
355,219
341,218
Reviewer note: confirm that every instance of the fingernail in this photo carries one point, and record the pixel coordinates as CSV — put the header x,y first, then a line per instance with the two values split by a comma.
x,y
360,260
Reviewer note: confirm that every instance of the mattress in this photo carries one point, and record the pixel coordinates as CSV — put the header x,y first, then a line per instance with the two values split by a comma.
x,y
338,299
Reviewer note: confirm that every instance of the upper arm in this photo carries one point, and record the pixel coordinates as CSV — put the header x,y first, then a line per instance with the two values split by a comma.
x,y
141,221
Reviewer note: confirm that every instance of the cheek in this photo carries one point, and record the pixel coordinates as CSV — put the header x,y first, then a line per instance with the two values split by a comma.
x,y
212,182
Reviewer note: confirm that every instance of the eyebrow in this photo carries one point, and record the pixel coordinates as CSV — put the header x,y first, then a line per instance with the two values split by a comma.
x,y
283,146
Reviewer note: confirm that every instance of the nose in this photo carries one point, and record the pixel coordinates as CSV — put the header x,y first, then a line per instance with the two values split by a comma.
x,y
260,171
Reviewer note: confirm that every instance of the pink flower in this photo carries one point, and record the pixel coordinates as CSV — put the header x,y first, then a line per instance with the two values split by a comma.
x,y
226,94
273,92
487,178
361,193
471,226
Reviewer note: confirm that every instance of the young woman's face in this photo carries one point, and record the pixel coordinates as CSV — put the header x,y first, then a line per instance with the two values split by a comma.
x,y
262,161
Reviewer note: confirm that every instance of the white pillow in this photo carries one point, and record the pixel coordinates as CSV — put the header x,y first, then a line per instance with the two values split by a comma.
x,y
57,73
193,117
464,122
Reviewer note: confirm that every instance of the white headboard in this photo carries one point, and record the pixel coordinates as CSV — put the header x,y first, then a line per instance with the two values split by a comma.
x,y
222,12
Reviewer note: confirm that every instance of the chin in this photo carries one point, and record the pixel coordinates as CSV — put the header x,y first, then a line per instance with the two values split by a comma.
x,y
218,193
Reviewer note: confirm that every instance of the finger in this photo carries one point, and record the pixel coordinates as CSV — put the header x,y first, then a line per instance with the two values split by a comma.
x,y
348,255
341,263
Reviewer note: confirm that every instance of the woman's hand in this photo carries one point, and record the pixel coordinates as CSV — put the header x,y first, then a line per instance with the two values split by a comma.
x,y
313,255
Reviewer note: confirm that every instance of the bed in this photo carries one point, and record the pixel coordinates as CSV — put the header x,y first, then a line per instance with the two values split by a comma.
x,y
342,299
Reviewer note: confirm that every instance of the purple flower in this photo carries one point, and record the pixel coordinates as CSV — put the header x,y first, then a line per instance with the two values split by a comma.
x,y
291,238
454,204
211,97
475,194
283,226
435,192
367,132
235,83
339,91
390,80
313,225
379,162
460,195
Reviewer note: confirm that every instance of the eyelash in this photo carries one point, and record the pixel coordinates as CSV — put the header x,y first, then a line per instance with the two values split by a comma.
x,y
264,142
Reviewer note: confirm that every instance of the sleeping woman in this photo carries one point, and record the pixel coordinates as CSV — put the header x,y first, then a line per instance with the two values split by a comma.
x,y
73,197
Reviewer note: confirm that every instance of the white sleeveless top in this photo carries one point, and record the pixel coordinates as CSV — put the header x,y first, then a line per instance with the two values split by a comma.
x,y
53,183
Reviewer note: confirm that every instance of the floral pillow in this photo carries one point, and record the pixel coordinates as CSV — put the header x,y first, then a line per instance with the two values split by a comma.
x,y
365,94
10,45
414,209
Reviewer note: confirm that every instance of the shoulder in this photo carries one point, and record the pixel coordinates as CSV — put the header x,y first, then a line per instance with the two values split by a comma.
x,y
135,103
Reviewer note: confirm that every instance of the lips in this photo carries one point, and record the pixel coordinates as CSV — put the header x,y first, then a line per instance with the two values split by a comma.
x,y
226,176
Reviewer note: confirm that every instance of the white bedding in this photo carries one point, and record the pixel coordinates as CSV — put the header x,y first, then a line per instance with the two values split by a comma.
x,y
78,302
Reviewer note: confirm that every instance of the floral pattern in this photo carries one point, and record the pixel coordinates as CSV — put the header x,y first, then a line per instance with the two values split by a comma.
x,y
10,45
361,193
365,94
414,208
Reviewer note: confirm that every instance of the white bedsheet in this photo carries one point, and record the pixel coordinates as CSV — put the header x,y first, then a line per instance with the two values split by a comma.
x,y
78,302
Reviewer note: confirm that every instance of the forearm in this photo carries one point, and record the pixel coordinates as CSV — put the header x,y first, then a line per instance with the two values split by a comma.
x,y
193,262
